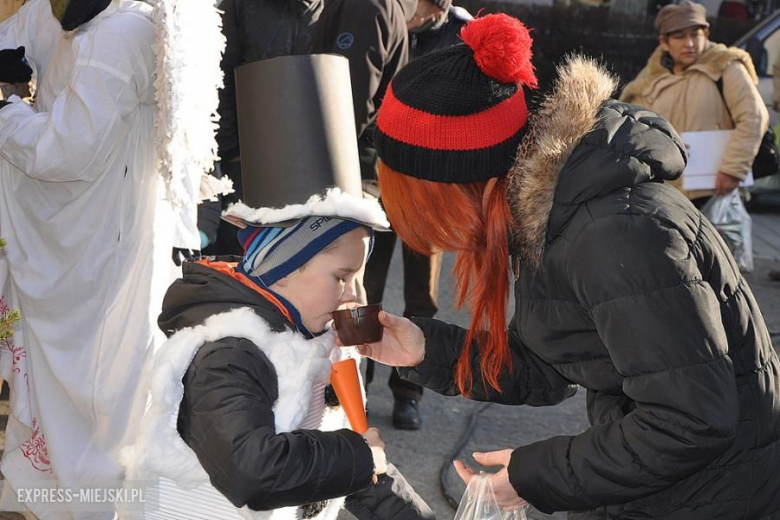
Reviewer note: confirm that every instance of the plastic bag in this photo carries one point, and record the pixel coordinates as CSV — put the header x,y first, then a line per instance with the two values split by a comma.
x,y
729,216
479,503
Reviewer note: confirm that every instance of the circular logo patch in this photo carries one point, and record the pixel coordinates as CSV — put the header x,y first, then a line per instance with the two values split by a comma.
x,y
345,41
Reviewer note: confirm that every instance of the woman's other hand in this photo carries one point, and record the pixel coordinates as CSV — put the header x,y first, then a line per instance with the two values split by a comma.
x,y
505,493
725,184
402,344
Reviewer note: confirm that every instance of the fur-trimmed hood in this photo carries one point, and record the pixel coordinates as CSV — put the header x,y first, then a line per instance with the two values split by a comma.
x,y
713,62
580,145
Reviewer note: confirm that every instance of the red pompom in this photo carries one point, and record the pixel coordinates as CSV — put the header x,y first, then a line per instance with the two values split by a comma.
x,y
502,48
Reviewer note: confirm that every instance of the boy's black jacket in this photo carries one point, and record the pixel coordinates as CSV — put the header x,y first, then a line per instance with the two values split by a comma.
x,y
226,417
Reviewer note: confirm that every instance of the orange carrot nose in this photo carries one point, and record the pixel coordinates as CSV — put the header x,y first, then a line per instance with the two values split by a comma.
x,y
346,383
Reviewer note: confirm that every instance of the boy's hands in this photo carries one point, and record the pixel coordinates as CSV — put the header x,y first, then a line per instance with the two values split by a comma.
x,y
374,439
377,445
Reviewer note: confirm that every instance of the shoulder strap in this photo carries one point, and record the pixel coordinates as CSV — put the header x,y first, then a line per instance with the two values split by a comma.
x,y
719,84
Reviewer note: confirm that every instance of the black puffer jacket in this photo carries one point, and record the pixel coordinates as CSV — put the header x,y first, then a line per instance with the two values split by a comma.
x,y
227,418
372,35
626,290
255,30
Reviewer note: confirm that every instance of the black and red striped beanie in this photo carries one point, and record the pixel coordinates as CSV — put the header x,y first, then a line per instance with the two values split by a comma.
x,y
457,115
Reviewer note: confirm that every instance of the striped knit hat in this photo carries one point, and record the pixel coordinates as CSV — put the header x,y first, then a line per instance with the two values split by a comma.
x,y
457,115
271,253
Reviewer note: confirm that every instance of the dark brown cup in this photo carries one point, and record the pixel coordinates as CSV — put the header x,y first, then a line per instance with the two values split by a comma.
x,y
359,325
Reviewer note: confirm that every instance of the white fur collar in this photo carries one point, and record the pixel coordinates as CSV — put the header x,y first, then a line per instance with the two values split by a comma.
x,y
335,203
160,452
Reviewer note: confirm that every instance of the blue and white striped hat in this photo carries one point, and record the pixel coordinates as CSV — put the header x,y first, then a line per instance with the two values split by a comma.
x,y
271,253
277,241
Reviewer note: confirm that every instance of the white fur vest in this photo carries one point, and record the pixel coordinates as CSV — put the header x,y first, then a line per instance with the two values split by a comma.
x,y
160,454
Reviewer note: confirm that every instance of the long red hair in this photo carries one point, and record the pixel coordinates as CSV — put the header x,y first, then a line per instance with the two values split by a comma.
x,y
471,219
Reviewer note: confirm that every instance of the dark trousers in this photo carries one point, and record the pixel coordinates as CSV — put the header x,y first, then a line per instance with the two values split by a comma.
x,y
227,234
421,287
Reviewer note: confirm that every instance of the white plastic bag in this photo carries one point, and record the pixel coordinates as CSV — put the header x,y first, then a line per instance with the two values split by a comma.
x,y
729,216
479,503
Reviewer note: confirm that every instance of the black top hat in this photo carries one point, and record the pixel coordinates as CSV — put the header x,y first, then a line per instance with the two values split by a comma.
x,y
296,127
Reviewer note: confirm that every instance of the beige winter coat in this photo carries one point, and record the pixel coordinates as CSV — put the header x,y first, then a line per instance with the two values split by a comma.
x,y
691,102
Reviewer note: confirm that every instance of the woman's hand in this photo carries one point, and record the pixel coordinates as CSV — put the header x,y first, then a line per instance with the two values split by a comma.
x,y
505,493
402,344
725,184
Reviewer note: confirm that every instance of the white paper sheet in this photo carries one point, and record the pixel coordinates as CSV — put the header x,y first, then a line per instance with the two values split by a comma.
x,y
705,151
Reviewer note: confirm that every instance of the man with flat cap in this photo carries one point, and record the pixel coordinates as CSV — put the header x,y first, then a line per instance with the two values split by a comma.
x,y
700,85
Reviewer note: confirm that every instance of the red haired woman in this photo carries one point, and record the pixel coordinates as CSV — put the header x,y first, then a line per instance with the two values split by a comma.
x,y
621,287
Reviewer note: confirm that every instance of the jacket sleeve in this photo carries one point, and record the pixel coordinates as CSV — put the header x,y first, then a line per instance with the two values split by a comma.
x,y
391,498
227,134
90,118
750,120
230,389
531,380
661,324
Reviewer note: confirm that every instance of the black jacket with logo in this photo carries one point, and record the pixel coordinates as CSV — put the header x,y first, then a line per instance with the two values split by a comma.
x,y
372,35
254,30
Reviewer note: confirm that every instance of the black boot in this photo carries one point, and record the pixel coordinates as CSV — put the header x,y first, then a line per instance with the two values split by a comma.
x,y
406,414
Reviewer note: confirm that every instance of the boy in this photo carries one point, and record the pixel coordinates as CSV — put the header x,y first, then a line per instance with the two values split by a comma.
x,y
251,344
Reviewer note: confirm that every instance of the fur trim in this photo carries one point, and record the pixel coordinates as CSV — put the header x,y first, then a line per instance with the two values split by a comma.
x,y
563,119
160,452
713,62
188,48
211,187
334,203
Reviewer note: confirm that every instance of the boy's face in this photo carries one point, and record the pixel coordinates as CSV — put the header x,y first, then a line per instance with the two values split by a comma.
x,y
328,281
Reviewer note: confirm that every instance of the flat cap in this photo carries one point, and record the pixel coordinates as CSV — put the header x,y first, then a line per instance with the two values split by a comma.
x,y
675,17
